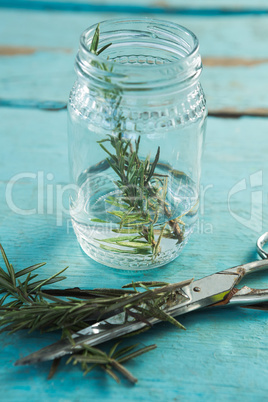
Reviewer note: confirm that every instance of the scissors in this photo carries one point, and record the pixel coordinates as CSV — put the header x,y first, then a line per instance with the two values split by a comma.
x,y
218,289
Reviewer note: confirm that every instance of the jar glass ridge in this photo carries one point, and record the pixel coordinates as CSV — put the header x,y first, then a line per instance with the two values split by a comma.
x,y
136,123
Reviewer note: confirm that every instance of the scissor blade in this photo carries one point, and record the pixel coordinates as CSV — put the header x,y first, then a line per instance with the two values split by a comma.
x,y
94,334
65,347
197,294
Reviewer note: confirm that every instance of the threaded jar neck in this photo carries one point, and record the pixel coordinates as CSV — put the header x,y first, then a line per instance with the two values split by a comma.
x,y
145,54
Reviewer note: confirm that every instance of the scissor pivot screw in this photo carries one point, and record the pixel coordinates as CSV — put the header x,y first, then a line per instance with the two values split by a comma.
x,y
197,289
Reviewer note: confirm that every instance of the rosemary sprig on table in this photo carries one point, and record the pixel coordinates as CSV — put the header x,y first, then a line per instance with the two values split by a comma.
x,y
91,357
25,304
143,191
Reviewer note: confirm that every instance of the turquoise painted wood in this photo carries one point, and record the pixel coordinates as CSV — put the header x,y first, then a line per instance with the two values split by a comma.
x,y
223,354
239,4
39,67
156,6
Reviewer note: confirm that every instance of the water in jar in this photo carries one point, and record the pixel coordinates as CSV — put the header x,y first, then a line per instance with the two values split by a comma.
x,y
137,195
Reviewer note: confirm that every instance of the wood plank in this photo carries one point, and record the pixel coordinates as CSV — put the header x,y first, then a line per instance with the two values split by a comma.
x,y
240,37
232,362
39,67
169,6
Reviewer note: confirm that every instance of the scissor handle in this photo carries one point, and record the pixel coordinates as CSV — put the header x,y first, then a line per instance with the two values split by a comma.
x,y
262,240
247,296
250,267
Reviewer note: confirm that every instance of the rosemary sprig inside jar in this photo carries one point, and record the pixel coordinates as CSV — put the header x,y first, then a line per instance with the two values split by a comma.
x,y
144,216
135,144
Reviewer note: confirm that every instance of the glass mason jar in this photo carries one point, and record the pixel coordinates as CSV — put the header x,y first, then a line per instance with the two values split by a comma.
x,y
136,128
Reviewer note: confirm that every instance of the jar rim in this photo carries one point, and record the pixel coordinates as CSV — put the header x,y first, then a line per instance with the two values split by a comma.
x,y
129,74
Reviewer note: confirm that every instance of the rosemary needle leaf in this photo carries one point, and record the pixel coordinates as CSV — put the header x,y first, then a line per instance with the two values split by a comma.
x,y
3,299
117,250
95,40
116,203
112,374
49,280
113,349
109,153
9,266
123,351
4,256
157,246
127,230
37,285
146,283
137,353
3,274
98,220
103,48
134,244
161,315
29,269
153,166
90,359
118,239
94,350
12,274
6,285
53,368
24,285
138,332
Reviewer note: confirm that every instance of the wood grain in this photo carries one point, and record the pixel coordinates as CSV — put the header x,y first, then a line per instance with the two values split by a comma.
x,y
24,50
232,62
233,113
207,61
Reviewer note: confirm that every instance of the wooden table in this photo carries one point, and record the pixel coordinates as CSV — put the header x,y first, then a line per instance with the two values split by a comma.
x,y
223,354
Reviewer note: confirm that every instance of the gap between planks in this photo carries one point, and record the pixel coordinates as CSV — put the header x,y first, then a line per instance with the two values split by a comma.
x,y
6,50
53,106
